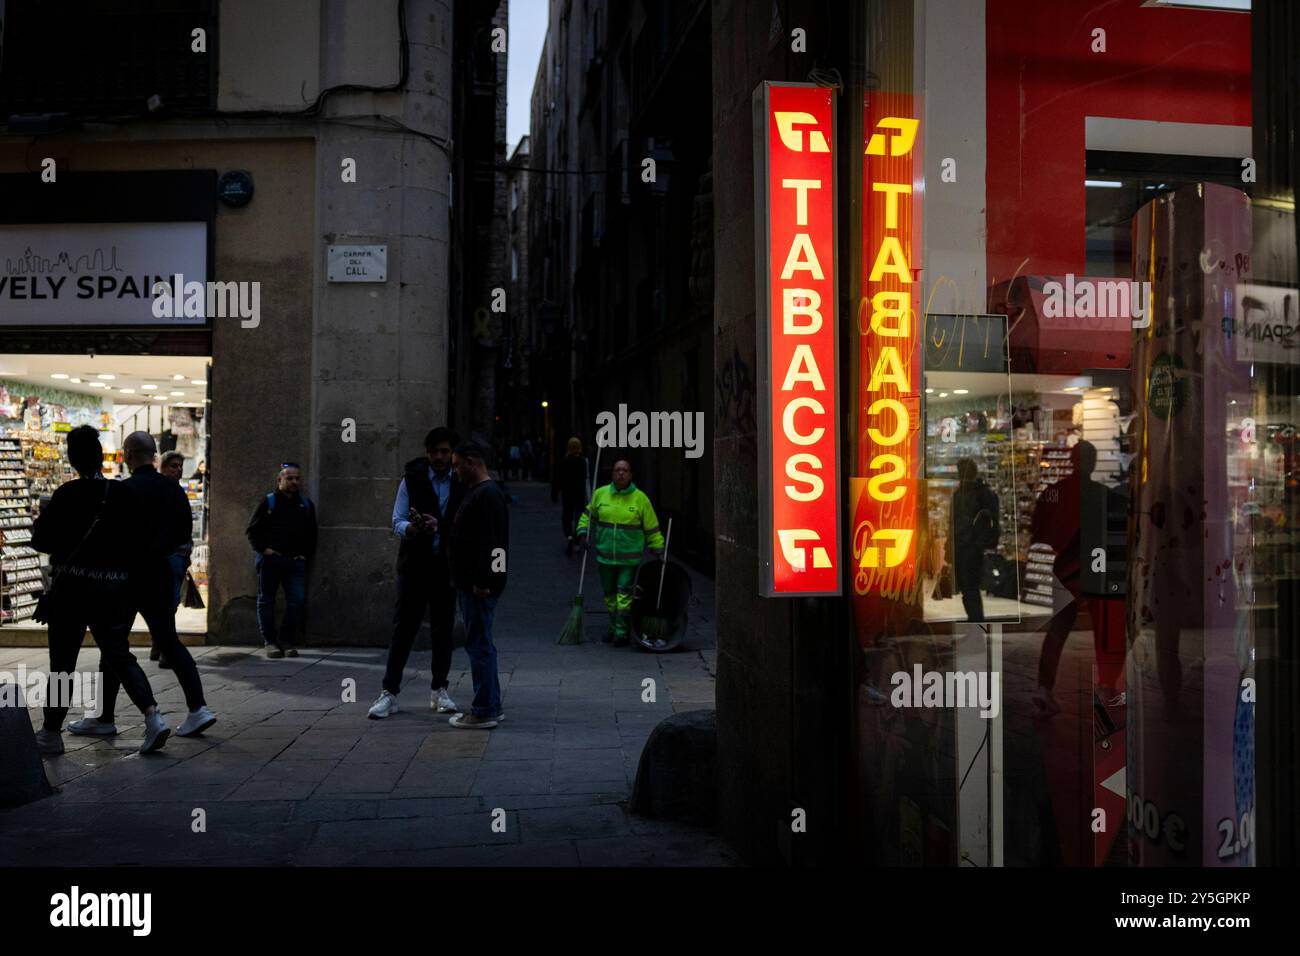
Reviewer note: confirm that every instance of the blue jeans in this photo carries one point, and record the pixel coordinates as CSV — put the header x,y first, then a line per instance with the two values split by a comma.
x,y
274,571
477,614
179,563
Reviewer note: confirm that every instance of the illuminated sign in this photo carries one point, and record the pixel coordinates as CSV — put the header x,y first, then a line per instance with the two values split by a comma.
x,y
885,491
794,195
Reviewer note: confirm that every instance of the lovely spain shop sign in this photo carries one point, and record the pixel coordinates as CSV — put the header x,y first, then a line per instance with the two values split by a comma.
x,y
97,273
795,222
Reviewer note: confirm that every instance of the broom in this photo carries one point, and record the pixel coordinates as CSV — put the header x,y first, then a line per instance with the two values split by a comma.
x,y
655,628
571,633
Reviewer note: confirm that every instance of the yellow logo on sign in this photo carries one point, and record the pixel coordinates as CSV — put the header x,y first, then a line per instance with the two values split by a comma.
x,y
900,144
894,545
792,138
790,540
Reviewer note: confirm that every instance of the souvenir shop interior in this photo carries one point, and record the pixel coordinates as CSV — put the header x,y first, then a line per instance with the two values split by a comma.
x,y
42,398
1021,431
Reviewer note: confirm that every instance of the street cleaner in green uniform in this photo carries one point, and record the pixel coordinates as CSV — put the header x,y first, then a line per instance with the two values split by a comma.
x,y
625,525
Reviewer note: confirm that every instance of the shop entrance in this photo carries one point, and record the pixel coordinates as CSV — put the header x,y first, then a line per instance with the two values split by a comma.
x,y
42,398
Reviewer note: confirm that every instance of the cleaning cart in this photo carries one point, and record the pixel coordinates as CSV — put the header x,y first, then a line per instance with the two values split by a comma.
x,y
661,599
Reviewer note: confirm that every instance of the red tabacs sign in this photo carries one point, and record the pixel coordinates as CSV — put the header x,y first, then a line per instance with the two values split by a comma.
x,y
794,186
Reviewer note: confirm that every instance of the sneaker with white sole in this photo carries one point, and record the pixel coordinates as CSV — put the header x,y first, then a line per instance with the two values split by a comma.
x,y
156,733
440,702
49,742
196,722
91,727
470,722
385,706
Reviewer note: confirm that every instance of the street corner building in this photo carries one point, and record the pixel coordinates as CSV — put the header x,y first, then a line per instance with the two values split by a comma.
x,y
297,156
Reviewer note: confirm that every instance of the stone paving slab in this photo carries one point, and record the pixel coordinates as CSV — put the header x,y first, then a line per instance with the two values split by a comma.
x,y
293,773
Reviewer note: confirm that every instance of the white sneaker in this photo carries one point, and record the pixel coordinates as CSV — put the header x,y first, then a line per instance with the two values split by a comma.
x,y
156,733
440,702
385,706
90,727
196,722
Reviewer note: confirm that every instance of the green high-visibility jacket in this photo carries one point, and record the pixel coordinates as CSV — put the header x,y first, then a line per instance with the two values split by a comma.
x,y
625,524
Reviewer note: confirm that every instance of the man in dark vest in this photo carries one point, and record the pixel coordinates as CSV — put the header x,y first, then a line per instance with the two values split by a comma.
x,y
426,499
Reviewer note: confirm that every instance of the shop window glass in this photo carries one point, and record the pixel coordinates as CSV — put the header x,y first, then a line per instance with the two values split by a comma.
x,y
1101,507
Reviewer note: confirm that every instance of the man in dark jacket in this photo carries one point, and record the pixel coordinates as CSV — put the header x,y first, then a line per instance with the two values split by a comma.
x,y
282,532
427,499
974,531
477,544
90,528
166,525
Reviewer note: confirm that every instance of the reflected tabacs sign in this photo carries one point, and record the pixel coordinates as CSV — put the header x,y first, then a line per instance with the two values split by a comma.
x,y
794,196
886,523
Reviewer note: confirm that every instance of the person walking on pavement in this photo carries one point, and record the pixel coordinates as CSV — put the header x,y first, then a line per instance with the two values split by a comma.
x,y
974,519
477,544
172,465
282,532
572,488
166,522
625,526
526,459
91,529
427,499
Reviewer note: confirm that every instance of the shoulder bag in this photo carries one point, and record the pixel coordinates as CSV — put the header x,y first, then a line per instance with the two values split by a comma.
x,y
100,585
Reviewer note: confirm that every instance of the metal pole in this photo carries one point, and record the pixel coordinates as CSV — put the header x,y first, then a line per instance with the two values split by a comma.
x,y
662,571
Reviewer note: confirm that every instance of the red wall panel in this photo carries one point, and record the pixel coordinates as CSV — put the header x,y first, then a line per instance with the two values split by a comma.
x,y
1185,66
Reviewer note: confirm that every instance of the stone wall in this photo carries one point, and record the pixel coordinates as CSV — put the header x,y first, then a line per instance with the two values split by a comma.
x,y
783,681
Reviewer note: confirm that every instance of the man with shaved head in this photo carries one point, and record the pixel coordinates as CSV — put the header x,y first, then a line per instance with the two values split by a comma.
x,y
165,526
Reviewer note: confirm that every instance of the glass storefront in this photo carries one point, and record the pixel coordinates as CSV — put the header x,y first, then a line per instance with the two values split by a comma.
x,y
1071,469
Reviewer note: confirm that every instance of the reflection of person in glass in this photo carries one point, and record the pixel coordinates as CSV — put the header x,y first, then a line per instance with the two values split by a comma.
x,y
1074,516
974,531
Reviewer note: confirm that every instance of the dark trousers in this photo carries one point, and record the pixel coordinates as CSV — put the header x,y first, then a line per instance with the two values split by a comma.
x,y
110,630
478,614
152,599
968,563
418,589
569,515
273,572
